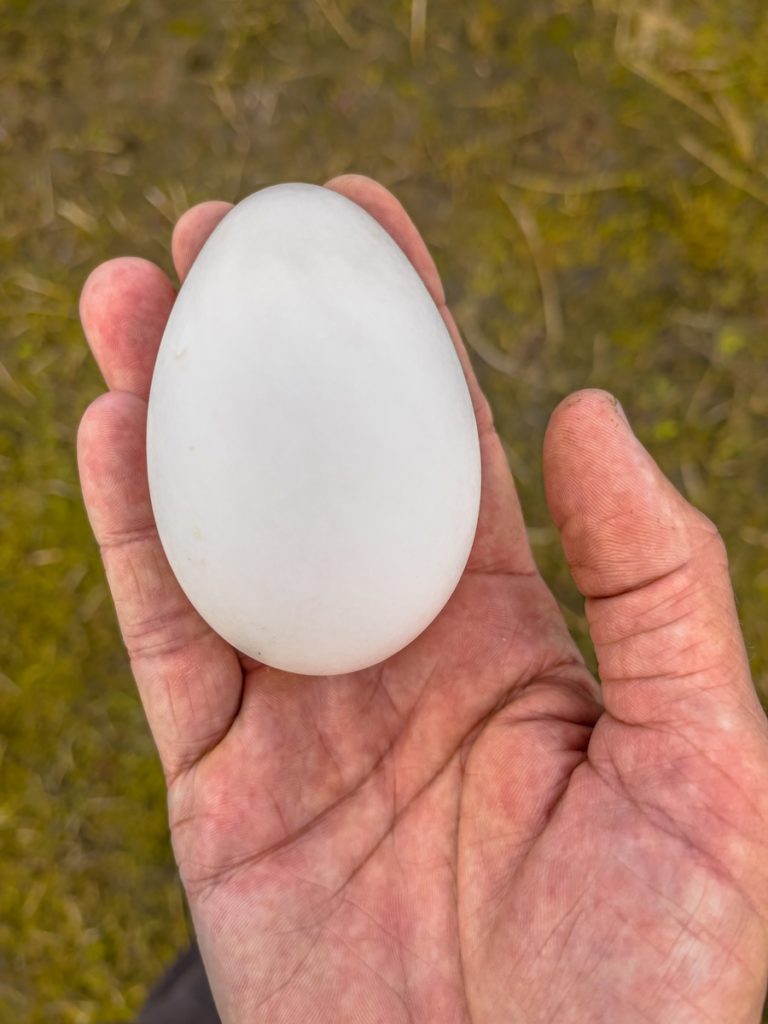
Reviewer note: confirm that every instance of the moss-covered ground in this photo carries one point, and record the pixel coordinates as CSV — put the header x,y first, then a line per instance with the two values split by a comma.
x,y
593,180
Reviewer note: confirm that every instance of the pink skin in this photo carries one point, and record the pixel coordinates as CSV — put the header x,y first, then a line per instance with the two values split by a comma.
x,y
472,831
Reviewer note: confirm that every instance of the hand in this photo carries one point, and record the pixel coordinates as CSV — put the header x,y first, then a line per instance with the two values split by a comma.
x,y
473,830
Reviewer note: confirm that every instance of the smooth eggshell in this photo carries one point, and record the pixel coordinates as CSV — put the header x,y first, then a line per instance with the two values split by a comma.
x,y
312,451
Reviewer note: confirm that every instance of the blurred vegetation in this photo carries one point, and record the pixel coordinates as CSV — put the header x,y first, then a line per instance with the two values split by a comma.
x,y
593,180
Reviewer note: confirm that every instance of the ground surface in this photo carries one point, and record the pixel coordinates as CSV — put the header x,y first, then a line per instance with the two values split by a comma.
x,y
593,179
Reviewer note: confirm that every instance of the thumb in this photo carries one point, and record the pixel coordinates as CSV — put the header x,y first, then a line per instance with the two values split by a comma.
x,y
653,570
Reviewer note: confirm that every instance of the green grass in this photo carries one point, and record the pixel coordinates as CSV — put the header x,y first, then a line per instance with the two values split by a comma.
x,y
593,180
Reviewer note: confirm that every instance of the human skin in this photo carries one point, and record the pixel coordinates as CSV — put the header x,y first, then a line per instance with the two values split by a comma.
x,y
473,830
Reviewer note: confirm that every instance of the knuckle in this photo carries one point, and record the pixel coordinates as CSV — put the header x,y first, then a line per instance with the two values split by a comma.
x,y
706,536
163,634
126,538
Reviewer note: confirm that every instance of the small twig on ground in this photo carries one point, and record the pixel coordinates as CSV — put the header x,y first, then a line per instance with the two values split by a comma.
x,y
492,356
550,293
723,168
418,28
553,186
13,388
338,22
742,132
636,41
673,88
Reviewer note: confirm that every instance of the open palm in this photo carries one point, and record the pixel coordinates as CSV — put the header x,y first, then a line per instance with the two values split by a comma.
x,y
474,830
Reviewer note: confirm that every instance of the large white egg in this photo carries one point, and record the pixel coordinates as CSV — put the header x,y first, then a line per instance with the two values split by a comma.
x,y
313,455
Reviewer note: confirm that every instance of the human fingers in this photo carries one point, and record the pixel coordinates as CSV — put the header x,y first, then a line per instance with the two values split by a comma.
x,y
653,569
192,231
189,678
124,307
125,303
393,217
501,542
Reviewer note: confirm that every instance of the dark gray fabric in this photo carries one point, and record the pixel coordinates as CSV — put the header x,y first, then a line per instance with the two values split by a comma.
x,y
182,996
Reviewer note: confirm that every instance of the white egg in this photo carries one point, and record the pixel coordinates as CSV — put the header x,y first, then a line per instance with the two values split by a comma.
x,y
312,450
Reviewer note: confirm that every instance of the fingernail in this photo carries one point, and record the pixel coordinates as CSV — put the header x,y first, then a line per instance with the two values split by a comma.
x,y
620,411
